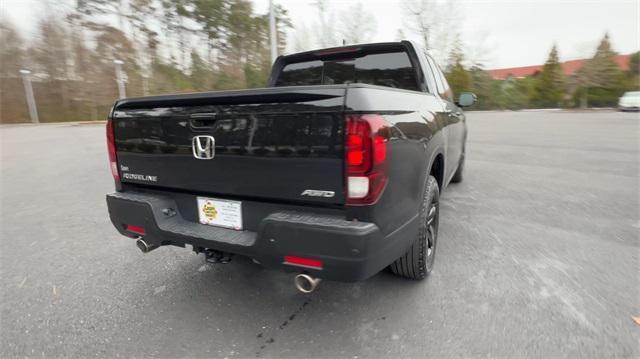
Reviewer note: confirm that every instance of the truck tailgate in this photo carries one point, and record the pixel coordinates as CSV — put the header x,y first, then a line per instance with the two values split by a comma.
x,y
271,143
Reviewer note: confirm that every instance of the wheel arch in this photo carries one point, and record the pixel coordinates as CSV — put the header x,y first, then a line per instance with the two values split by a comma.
x,y
436,168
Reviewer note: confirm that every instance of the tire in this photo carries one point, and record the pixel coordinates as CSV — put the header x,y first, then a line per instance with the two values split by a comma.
x,y
417,263
458,176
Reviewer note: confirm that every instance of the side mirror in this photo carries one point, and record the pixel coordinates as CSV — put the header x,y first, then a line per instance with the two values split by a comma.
x,y
467,99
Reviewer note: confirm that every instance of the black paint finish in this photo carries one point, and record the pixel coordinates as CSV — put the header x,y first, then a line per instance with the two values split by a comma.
x,y
274,143
262,150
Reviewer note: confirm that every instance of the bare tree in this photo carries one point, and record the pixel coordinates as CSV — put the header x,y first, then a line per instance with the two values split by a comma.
x,y
302,39
325,29
11,51
13,105
51,54
480,50
320,33
72,54
357,24
434,22
177,14
421,19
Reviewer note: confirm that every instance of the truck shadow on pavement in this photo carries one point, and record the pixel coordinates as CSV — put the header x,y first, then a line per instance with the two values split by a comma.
x,y
261,310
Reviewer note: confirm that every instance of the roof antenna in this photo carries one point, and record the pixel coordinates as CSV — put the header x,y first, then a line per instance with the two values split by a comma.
x,y
344,42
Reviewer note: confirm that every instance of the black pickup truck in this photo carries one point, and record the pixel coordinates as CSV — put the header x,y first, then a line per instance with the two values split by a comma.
x,y
332,171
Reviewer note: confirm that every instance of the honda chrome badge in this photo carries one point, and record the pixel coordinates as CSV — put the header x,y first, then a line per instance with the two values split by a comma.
x,y
204,147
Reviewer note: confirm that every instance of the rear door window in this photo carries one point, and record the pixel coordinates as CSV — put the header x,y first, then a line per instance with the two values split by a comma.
x,y
430,78
443,86
448,93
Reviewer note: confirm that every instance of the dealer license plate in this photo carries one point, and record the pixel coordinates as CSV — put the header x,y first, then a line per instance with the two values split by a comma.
x,y
220,212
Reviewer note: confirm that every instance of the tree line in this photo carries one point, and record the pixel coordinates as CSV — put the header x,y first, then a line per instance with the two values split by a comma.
x,y
599,83
165,46
169,46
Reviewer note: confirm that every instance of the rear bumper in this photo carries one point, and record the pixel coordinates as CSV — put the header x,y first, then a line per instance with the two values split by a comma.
x,y
350,251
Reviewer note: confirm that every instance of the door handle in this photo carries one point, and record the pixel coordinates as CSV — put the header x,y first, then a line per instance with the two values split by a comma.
x,y
204,119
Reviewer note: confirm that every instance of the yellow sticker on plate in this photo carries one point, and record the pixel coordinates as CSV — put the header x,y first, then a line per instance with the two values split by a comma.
x,y
220,212
209,210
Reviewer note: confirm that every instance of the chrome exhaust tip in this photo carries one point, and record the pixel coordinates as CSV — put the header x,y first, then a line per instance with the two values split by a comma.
x,y
144,246
306,283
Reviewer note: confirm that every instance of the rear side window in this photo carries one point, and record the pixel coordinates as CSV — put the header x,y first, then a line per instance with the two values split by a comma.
x,y
443,86
447,90
436,77
391,69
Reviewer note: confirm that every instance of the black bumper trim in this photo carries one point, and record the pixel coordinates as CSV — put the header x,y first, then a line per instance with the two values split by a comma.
x,y
176,225
350,250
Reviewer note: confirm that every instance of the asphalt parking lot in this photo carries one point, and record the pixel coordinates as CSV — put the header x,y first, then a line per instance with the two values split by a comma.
x,y
538,257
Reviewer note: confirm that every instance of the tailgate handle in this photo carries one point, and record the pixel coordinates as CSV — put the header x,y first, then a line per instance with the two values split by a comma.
x,y
204,119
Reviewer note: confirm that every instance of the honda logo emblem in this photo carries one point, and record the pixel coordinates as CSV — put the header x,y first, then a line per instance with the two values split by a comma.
x,y
204,147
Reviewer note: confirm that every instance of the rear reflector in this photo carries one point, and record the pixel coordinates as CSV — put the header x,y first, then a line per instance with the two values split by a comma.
x,y
303,262
134,229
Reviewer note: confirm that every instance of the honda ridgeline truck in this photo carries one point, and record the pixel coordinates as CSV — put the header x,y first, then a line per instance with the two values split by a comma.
x,y
333,171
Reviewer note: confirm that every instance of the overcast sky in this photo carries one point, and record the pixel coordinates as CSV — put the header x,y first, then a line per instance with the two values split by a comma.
x,y
510,32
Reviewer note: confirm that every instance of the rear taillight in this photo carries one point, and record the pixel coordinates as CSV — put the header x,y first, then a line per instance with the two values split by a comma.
x,y
111,147
365,157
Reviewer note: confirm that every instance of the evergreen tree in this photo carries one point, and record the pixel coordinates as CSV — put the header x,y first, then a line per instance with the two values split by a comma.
x,y
548,88
514,94
633,78
484,87
601,80
457,76
634,63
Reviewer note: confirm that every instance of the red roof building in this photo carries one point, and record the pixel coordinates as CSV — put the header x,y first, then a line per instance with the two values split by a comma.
x,y
568,67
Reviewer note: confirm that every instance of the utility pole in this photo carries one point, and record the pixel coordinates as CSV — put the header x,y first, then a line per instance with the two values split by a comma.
x,y
28,92
272,32
120,78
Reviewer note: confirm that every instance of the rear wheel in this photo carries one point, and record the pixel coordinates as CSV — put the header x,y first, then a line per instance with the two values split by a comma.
x,y
417,263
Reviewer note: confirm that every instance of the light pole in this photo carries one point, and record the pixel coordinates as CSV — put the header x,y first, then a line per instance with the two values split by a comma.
x,y
28,92
145,85
272,32
120,78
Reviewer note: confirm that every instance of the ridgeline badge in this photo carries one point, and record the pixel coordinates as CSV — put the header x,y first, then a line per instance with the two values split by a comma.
x,y
138,177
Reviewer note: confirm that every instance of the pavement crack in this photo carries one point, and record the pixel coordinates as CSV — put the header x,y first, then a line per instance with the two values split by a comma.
x,y
282,326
